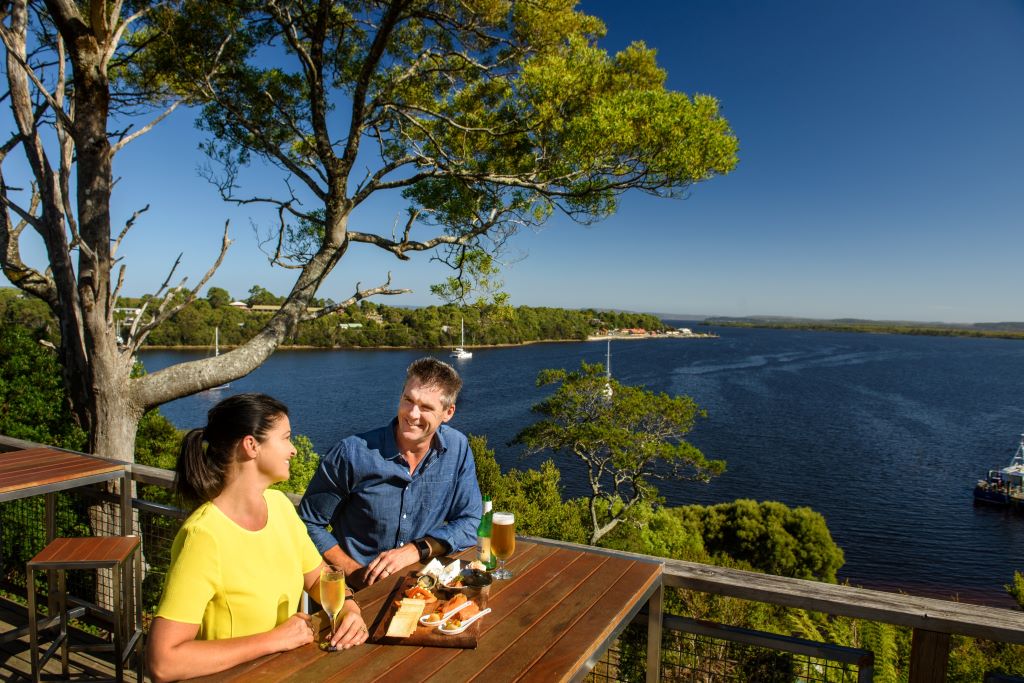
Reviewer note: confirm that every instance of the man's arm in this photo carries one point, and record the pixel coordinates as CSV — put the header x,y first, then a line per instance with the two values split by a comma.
x,y
326,491
459,530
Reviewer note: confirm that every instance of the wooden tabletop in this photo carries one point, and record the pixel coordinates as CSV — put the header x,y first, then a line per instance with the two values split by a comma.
x,y
42,470
561,608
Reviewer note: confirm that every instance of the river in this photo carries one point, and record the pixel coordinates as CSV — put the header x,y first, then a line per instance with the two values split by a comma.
x,y
884,435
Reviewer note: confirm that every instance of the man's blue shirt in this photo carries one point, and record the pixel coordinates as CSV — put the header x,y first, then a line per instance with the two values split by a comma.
x,y
363,490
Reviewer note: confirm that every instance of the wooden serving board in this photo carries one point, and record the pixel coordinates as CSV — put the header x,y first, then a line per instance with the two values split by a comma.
x,y
424,636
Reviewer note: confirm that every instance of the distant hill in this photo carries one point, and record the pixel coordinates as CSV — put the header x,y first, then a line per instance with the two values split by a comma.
x,y
846,322
1003,330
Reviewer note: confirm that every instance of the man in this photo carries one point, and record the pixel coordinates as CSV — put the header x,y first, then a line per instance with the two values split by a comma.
x,y
399,494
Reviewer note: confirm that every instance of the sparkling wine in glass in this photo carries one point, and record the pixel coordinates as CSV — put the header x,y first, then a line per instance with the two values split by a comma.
x,y
332,597
503,541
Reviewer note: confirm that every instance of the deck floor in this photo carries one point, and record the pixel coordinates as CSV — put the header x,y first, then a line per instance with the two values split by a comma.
x,y
14,655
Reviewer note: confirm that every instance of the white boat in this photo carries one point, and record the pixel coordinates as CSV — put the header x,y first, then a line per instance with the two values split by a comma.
x,y
1004,486
460,350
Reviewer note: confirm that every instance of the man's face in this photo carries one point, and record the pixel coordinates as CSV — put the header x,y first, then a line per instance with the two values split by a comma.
x,y
421,411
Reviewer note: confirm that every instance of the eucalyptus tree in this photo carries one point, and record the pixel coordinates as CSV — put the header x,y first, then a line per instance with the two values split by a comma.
x,y
477,117
626,438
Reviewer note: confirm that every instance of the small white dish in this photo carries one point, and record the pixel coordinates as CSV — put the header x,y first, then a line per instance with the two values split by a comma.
x,y
425,619
464,625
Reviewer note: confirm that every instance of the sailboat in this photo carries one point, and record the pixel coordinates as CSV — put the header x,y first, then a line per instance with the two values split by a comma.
x,y
460,350
216,352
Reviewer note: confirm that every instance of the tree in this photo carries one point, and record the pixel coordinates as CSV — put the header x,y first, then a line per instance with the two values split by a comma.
x,y
32,405
260,296
483,116
770,537
218,296
624,436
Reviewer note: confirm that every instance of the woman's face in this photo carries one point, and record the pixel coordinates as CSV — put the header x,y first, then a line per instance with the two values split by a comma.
x,y
275,452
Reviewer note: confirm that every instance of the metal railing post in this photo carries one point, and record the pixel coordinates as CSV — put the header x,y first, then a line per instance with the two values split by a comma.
x,y
654,626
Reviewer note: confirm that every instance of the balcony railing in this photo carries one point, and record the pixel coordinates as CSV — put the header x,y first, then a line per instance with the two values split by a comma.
x,y
658,646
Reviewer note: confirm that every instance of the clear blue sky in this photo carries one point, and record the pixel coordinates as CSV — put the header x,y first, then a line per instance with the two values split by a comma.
x,y
881,176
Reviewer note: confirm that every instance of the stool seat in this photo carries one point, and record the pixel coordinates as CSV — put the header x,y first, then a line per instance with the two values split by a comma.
x,y
122,555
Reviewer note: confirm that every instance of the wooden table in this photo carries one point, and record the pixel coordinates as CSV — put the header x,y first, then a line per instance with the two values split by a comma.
x,y
551,622
38,471
45,471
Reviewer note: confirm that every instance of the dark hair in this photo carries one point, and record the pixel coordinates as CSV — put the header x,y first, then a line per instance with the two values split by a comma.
x,y
207,453
432,372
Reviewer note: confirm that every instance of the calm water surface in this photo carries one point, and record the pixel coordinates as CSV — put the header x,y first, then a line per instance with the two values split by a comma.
x,y
882,434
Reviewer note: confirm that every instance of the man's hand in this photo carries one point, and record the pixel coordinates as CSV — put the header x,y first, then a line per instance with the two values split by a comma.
x,y
391,562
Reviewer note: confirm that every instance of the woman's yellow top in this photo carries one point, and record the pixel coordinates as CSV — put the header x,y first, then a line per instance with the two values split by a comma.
x,y
235,582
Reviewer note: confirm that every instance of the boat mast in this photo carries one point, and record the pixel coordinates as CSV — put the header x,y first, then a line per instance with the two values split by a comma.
x,y
608,372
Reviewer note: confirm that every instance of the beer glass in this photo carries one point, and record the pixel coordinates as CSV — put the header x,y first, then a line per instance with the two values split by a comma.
x,y
503,541
332,598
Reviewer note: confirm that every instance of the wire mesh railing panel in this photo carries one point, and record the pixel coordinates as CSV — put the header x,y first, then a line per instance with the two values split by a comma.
x,y
86,511
695,658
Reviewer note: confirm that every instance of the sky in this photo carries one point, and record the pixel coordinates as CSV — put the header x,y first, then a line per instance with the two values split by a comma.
x,y
881,176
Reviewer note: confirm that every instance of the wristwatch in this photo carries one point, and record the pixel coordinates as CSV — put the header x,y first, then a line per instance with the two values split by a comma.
x,y
423,547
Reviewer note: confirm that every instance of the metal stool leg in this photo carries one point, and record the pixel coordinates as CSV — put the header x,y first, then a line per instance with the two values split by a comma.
x,y
140,659
62,602
33,622
118,574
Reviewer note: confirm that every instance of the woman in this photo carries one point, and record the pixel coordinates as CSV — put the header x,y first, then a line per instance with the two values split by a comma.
x,y
241,560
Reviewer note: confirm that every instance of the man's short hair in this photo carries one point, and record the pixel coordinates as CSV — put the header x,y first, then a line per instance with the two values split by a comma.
x,y
434,373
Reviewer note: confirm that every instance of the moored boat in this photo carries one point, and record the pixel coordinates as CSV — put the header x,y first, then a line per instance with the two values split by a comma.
x,y
1004,486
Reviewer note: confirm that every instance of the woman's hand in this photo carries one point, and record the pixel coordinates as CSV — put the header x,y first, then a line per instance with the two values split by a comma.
x,y
296,631
351,630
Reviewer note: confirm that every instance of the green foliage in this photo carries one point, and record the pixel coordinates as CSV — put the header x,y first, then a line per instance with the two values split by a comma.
x,y
534,496
302,466
217,297
626,438
261,296
770,536
1016,589
882,640
32,399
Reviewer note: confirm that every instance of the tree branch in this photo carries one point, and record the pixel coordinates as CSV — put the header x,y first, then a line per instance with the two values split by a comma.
x,y
138,333
360,294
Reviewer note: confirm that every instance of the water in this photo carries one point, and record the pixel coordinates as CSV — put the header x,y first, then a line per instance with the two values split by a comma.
x,y
884,435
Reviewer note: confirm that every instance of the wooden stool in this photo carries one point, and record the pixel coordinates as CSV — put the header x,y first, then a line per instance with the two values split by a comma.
x,y
96,552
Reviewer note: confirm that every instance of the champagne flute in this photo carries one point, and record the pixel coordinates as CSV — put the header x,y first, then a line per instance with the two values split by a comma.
x,y
503,541
332,598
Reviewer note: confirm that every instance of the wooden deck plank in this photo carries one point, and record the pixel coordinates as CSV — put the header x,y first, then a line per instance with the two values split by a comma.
x,y
550,619
595,626
548,562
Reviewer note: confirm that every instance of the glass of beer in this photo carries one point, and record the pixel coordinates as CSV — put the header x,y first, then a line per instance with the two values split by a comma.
x,y
503,541
332,598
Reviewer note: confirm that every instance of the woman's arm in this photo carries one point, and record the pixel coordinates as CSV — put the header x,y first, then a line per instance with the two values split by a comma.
x,y
173,652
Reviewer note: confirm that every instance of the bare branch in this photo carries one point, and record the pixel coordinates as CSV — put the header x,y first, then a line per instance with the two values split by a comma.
x,y
113,295
360,294
399,248
114,149
139,332
124,231
15,54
